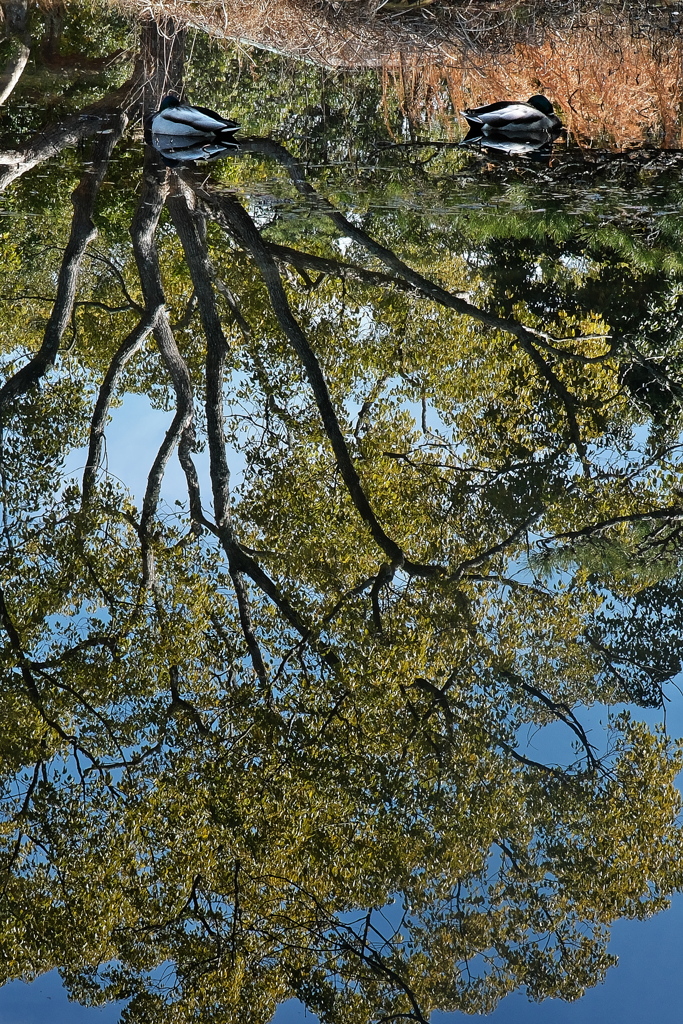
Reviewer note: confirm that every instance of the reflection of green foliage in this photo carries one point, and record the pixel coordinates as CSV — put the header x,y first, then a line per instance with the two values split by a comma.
x,y
94,29
329,116
359,824
69,78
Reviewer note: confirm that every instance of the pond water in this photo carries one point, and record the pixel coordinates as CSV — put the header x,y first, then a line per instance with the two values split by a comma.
x,y
341,480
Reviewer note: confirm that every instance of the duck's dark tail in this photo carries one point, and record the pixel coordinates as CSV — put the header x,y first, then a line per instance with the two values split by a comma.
x,y
472,121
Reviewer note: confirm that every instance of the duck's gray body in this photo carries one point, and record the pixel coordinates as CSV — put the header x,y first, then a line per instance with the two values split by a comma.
x,y
182,133
514,120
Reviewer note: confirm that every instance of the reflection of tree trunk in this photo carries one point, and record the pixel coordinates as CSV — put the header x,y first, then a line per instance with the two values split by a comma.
x,y
82,233
162,46
228,210
190,229
191,232
143,233
54,27
17,19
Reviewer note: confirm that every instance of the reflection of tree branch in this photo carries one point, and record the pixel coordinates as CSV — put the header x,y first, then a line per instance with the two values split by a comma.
x,y
226,209
102,116
109,263
97,304
83,231
526,336
125,351
673,514
186,318
11,860
516,756
181,427
181,431
179,703
560,710
233,305
101,640
562,392
438,698
34,695
382,579
339,604
16,18
496,549
378,965
104,722
347,940
14,69
190,229
15,642
336,268
610,660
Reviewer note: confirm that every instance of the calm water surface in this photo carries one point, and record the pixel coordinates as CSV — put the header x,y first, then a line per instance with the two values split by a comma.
x,y
340,582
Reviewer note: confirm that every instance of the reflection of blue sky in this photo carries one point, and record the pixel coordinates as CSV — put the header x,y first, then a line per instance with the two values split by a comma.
x,y
133,437
44,1002
645,988
648,984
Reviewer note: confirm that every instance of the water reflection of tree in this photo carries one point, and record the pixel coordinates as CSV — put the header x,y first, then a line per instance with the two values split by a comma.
x,y
276,744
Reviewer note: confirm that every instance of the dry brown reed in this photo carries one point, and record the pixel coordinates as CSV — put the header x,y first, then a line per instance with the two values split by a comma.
x,y
342,34
616,78
615,83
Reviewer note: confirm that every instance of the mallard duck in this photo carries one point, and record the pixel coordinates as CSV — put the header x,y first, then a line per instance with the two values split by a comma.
x,y
520,120
181,133
175,119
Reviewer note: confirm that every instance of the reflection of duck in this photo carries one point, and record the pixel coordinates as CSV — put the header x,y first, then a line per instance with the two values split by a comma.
x,y
537,147
519,120
182,133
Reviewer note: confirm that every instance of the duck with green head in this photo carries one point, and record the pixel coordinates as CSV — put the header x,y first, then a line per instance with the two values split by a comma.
x,y
535,118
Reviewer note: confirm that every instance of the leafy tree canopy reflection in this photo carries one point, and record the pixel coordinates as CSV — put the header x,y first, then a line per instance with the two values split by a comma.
x,y
271,741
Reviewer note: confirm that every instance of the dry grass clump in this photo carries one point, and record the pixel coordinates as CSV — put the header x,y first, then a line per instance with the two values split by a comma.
x,y
334,35
344,33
